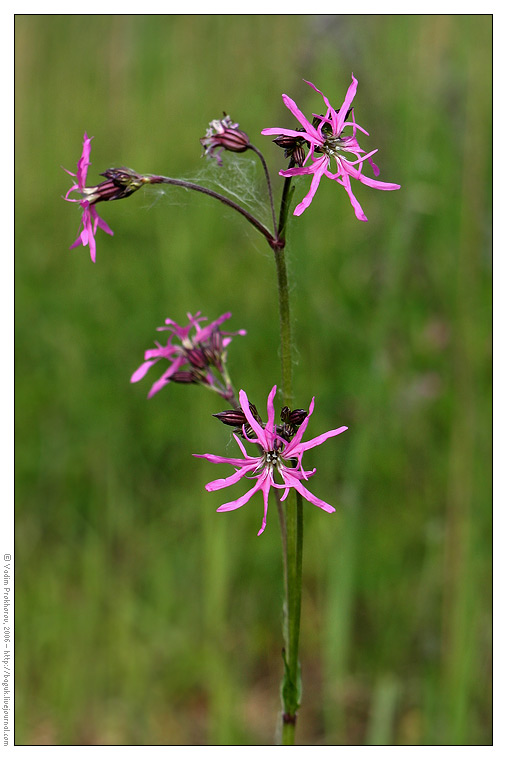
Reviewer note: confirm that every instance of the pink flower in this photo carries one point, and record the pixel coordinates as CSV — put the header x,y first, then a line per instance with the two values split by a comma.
x,y
278,454
90,220
326,140
197,358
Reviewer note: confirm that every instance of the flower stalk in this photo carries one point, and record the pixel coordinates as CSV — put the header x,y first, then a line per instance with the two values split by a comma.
x,y
196,353
293,544
161,180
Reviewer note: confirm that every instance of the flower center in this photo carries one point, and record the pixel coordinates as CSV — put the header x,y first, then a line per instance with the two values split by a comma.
x,y
333,144
273,459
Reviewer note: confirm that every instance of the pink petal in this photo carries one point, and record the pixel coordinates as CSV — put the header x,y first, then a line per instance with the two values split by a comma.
x,y
166,377
298,171
99,222
157,386
243,450
104,226
307,125
217,485
287,132
242,499
361,159
258,430
304,446
265,493
301,431
84,161
331,115
205,332
377,184
355,203
142,370
271,409
93,248
319,169
234,461
339,118
305,493
376,170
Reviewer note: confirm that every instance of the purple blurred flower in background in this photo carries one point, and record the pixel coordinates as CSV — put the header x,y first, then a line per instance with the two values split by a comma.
x,y
194,357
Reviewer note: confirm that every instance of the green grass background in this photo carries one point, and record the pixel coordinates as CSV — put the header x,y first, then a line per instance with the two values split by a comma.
x,y
142,616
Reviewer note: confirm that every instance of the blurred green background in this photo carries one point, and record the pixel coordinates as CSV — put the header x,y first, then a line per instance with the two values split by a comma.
x,y
142,616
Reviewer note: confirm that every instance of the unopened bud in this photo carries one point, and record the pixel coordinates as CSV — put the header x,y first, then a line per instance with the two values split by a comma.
x,y
196,357
294,147
185,376
236,418
232,417
297,416
120,183
291,421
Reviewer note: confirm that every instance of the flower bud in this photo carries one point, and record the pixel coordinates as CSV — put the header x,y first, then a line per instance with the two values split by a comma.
x,y
196,357
224,134
294,147
120,183
297,416
291,421
232,417
236,418
185,376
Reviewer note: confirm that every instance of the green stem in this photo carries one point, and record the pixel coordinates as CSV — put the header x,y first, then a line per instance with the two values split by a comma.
x,y
291,685
285,204
285,327
293,559
154,179
268,182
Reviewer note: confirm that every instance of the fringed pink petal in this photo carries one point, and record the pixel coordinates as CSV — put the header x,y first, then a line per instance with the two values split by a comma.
x,y
319,169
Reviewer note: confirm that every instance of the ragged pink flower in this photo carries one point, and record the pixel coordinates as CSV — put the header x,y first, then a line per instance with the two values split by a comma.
x,y
198,356
90,220
278,455
326,140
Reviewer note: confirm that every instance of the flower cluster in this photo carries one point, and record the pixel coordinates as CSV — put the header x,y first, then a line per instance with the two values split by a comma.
x,y
281,456
325,138
198,356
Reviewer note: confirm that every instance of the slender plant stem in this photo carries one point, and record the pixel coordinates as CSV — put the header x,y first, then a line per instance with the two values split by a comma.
x,y
285,327
291,689
284,205
153,179
268,182
293,560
